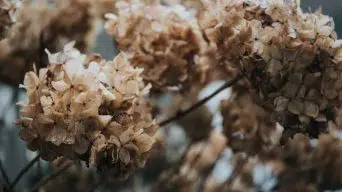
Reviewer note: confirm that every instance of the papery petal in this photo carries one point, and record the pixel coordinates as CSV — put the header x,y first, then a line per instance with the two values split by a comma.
x,y
124,156
144,142
31,80
105,119
60,86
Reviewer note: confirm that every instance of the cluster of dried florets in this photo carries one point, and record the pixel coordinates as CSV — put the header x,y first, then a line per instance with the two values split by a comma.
x,y
88,108
166,41
197,162
293,78
249,127
301,165
291,58
39,26
7,19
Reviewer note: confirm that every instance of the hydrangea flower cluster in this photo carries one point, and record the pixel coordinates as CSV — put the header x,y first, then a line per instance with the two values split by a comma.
x,y
38,26
164,40
282,124
86,107
198,159
301,165
249,127
7,19
292,59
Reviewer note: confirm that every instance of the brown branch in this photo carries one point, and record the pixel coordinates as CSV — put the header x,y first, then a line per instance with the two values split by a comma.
x,y
53,175
23,171
181,114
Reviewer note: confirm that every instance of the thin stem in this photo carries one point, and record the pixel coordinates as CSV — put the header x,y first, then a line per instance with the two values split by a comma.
x,y
181,114
4,175
53,175
23,171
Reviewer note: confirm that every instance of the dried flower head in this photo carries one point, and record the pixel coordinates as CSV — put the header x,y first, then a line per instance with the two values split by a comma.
x,y
248,127
165,41
88,108
71,20
39,26
301,165
7,18
290,58
198,160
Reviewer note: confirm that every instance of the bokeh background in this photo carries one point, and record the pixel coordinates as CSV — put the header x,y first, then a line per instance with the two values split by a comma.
x,y
13,153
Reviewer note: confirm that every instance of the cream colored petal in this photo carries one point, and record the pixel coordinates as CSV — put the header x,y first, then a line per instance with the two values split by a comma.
x,y
46,101
132,87
73,66
107,94
60,86
93,68
42,73
81,98
31,80
105,119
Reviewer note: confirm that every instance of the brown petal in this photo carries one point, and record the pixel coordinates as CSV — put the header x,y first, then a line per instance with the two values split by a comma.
x,y
31,80
57,136
144,142
81,145
124,156
296,107
281,103
114,140
105,119
311,109
27,135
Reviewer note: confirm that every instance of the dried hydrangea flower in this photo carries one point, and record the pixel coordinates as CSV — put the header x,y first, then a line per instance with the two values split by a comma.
x,y
314,163
303,164
71,20
39,26
7,18
248,127
291,58
165,41
88,108
203,154
199,158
